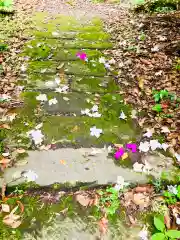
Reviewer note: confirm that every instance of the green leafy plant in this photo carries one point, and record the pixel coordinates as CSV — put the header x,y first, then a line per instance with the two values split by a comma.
x,y
172,198
163,233
109,200
159,95
157,108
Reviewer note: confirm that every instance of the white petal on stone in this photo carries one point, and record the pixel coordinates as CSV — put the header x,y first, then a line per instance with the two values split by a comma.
x,y
95,132
144,146
85,111
23,68
138,167
65,99
102,60
177,156
36,136
164,146
49,83
149,133
57,80
94,152
165,129
53,101
154,144
55,34
122,116
94,108
30,175
42,97
39,126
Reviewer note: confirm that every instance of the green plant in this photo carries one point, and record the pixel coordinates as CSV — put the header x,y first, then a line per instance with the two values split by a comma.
x,y
171,197
159,95
157,108
163,233
109,200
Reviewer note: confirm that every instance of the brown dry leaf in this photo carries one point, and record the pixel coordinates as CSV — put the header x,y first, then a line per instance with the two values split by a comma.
x,y
5,126
132,219
5,160
21,150
141,199
140,83
167,221
103,225
140,189
12,220
5,208
84,200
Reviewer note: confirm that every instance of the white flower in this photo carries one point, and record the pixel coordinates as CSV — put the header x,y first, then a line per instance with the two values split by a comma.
x,y
149,133
96,114
55,34
107,65
36,136
49,83
154,144
165,129
143,234
94,108
144,146
120,184
102,60
57,80
177,156
5,154
42,97
172,189
95,132
30,175
85,111
138,167
23,68
178,221
122,115
53,101
62,89
109,148
164,146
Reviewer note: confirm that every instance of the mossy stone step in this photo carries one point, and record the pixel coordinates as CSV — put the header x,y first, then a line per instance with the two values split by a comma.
x,y
99,36
71,68
77,130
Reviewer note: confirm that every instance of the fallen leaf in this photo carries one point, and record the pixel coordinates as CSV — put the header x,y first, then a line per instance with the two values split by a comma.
x,y
165,129
103,225
63,162
5,208
21,150
5,160
5,126
83,200
141,83
124,156
132,220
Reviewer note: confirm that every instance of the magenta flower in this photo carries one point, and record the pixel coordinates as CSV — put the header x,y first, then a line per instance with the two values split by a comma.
x,y
82,56
119,153
132,146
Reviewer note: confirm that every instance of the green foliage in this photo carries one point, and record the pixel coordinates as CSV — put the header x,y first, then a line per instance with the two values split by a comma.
x,y
157,108
172,198
109,200
163,233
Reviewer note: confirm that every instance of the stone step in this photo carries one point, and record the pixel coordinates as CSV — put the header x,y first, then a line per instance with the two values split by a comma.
x,y
71,68
47,51
85,84
77,167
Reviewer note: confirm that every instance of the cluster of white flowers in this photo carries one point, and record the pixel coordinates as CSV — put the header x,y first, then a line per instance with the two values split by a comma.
x,y
153,145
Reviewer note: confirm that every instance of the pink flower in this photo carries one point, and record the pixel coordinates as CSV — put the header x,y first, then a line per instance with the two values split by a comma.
x,y
132,146
82,56
119,153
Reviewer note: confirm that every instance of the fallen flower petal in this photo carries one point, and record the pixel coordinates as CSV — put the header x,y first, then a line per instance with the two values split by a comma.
x,y
154,144
42,97
95,132
30,175
53,101
144,146
122,116
149,133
